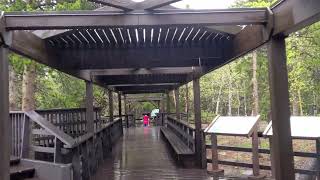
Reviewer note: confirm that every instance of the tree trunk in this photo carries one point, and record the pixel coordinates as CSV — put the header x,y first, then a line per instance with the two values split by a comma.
x,y
255,95
245,100
12,90
28,87
300,102
187,102
295,105
218,99
230,94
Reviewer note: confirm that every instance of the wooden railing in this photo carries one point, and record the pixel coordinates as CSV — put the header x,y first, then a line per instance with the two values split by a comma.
x,y
71,121
19,122
184,131
50,142
261,151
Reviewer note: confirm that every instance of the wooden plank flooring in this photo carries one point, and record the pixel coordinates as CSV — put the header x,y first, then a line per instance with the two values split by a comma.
x,y
142,154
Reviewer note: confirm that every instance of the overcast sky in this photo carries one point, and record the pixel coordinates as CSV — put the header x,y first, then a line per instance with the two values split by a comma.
x,y
202,4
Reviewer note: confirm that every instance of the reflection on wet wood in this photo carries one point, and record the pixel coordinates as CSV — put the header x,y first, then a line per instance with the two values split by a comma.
x,y
142,154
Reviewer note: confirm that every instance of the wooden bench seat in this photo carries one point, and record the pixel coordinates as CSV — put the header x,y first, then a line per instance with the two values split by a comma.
x,y
183,154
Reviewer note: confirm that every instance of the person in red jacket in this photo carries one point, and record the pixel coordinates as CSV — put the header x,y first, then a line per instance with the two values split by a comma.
x,y
145,120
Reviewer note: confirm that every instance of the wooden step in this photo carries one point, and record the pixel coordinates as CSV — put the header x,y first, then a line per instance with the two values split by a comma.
x,y
19,172
14,160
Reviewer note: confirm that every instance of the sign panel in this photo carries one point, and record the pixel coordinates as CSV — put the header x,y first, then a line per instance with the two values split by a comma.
x,y
302,127
233,125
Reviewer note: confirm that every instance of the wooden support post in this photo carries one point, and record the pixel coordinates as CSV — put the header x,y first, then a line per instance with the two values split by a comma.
x,y
125,110
280,110
162,109
89,107
318,157
120,105
272,157
110,105
200,156
215,157
4,115
57,150
177,103
168,102
255,156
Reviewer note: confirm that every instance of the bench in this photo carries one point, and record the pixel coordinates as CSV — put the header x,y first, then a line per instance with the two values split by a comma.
x,y
182,153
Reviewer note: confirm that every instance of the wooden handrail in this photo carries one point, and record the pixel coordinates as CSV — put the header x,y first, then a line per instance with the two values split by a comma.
x,y
62,136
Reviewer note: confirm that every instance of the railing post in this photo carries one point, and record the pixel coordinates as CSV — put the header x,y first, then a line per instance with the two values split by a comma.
x,y
280,110
57,150
199,140
4,114
119,105
25,137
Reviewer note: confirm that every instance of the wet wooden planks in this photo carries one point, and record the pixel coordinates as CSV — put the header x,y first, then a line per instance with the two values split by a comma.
x,y
142,154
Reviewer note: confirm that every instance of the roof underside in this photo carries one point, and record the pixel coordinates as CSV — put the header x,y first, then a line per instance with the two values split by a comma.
x,y
142,49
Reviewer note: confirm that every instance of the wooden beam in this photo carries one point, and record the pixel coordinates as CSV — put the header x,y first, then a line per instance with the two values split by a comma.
x,y
280,110
146,87
142,91
87,19
89,107
152,84
293,15
136,58
143,71
149,79
4,115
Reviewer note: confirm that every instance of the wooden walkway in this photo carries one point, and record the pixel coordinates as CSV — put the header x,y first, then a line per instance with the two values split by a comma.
x,y
142,154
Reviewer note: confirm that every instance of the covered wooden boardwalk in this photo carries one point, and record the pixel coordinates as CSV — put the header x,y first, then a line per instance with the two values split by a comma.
x,y
142,154
149,48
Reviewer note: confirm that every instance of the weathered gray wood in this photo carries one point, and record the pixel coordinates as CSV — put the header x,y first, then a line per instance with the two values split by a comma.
x,y
89,107
214,152
42,149
66,139
25,137
197,117
280,110
255,152
292,15
57,150
86,19
133,71
4,114
110,105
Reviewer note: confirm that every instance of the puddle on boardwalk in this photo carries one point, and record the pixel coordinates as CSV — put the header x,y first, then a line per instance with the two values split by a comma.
x,y
141,154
